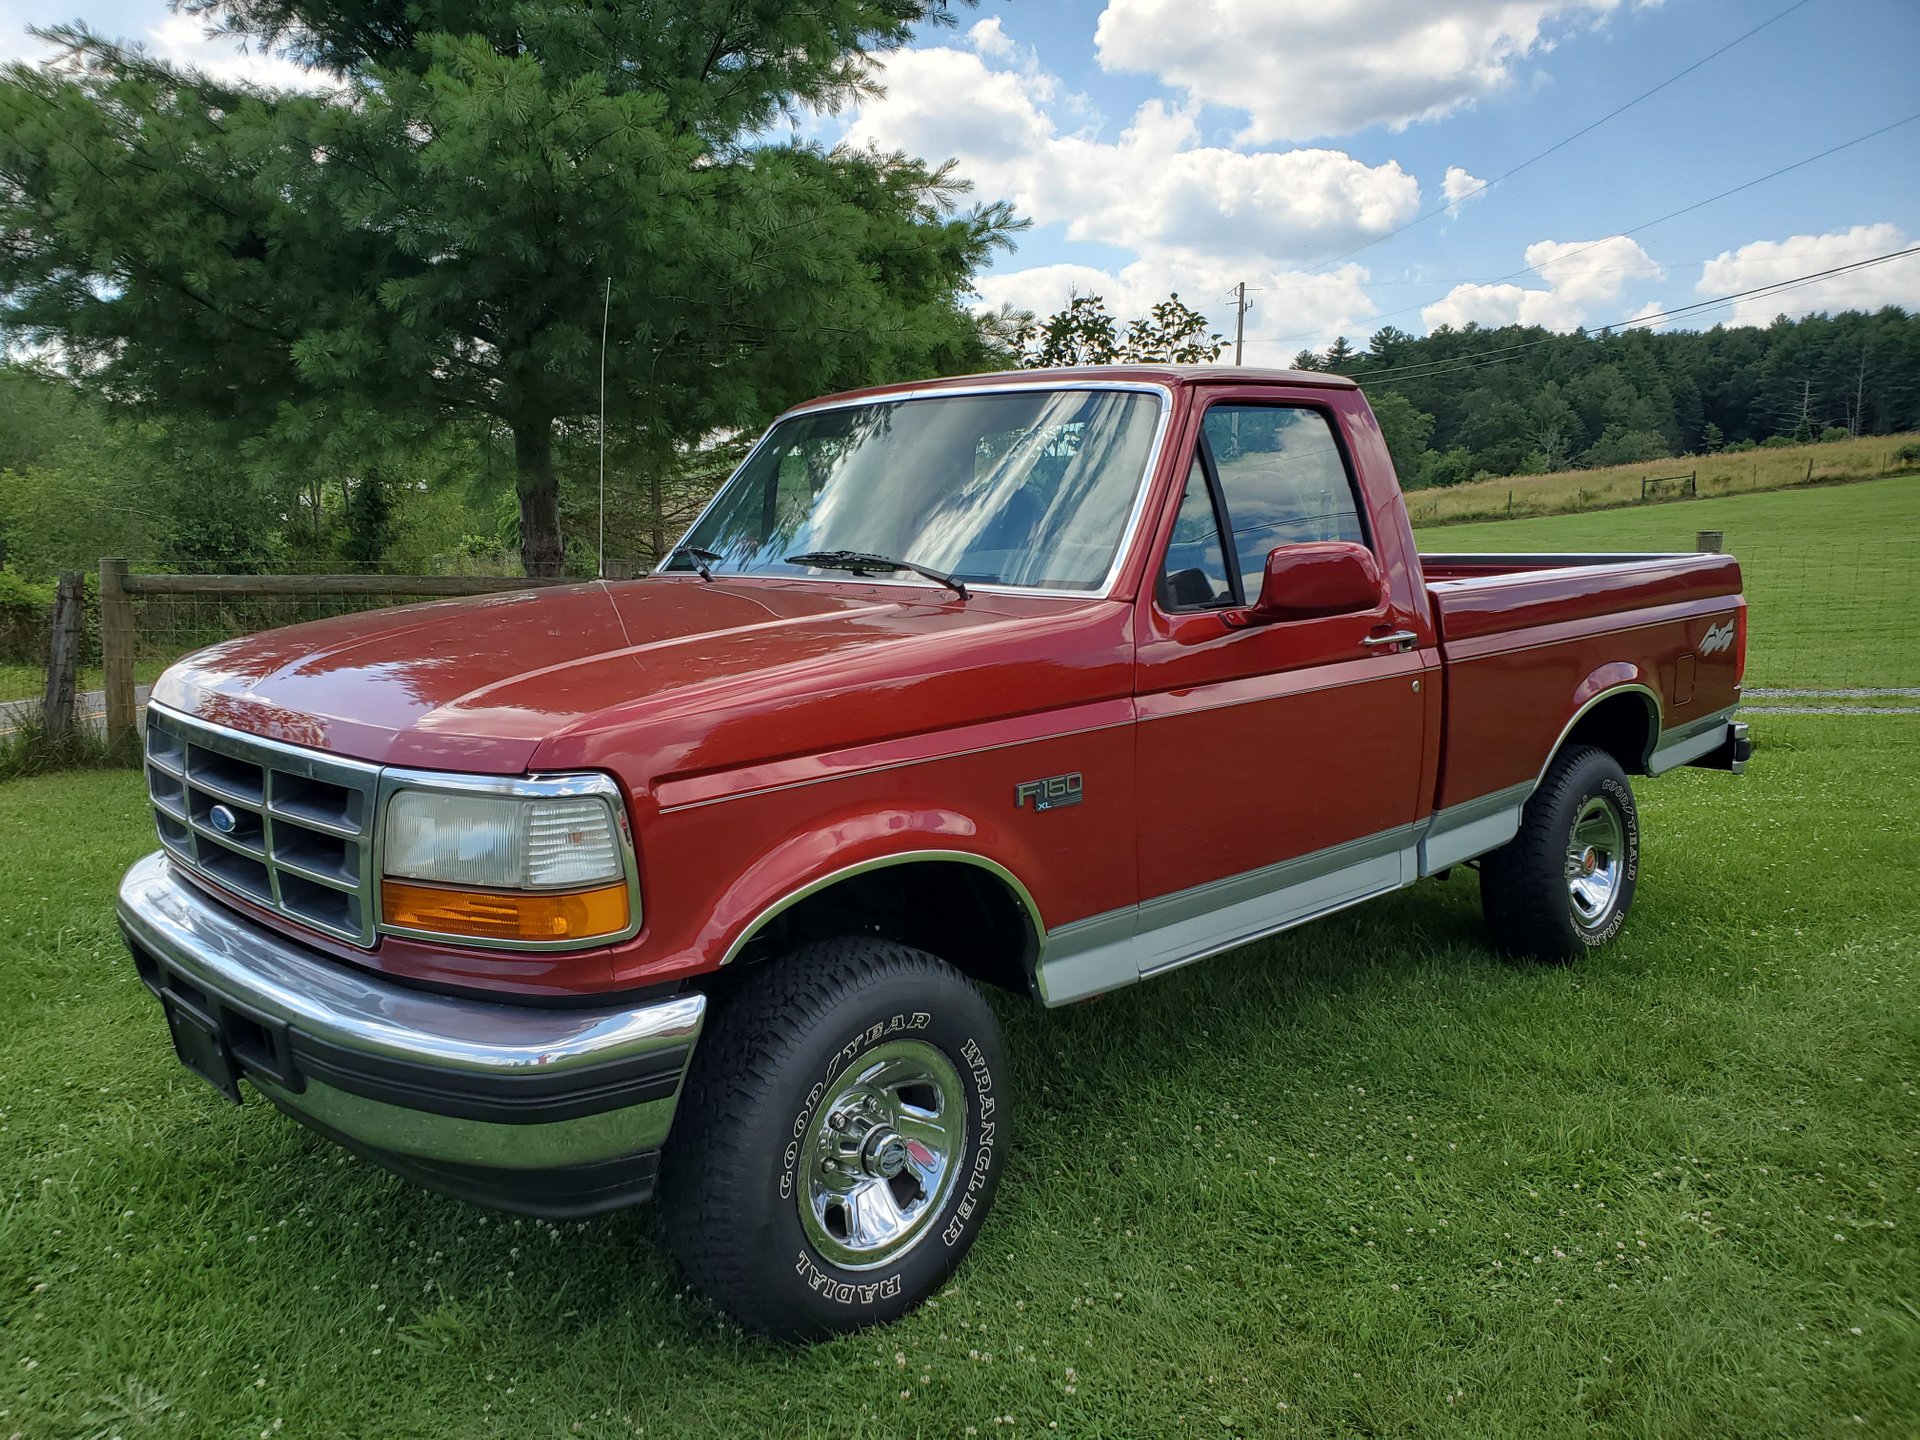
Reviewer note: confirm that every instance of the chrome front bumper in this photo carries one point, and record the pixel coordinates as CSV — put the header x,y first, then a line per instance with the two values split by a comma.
x,y
554,1112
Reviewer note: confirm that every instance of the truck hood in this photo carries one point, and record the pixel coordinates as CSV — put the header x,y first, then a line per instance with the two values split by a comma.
x,y
526,679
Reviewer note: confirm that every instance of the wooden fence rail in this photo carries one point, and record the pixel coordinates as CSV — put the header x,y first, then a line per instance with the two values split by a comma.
x,y
119,631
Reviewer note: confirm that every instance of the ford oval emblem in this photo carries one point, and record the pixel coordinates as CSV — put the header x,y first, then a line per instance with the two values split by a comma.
x,y
223,819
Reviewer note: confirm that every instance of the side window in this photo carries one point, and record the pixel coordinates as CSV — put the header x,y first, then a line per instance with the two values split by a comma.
x,y
1283,481
1195,577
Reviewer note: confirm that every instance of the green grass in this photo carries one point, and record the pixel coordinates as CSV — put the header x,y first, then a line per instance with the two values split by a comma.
x,y
1832,574
1365,1179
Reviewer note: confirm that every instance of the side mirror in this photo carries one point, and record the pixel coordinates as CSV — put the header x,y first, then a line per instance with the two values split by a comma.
x,y
1302,582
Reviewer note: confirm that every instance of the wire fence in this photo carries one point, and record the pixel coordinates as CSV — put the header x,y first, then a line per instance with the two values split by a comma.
x,y
1831,618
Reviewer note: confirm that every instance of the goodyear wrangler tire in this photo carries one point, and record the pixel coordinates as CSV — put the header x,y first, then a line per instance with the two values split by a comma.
x,y
1564,884
839,1138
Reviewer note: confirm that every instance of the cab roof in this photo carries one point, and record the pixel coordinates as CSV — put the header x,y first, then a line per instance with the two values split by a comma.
x,y
1172,376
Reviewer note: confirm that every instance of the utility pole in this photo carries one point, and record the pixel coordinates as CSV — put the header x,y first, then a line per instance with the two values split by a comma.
x,y
1239,321
1860,394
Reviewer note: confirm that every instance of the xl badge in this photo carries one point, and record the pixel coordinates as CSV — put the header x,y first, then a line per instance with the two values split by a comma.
x,y
1718,637
1053,793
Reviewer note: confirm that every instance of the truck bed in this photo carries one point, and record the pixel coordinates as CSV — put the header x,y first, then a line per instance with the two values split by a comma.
x,y
1528,641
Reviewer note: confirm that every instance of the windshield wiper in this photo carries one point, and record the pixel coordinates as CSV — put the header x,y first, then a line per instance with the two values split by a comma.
x,y
858,563
701,559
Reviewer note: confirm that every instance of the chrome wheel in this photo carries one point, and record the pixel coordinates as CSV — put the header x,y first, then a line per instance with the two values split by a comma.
x,y
880,1161
1596,852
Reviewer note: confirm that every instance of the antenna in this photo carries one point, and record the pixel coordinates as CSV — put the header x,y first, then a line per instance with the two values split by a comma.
x,y
606,309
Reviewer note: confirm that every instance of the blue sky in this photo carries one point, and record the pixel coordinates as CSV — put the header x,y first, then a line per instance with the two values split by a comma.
x,y
1269,137
1189,144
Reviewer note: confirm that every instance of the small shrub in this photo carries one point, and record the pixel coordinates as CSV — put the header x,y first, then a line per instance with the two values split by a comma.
x,y
1835,432
1907,455
30,750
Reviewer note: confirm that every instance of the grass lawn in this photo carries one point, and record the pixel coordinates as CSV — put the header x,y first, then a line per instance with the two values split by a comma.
x,y
1832,574
1364,1179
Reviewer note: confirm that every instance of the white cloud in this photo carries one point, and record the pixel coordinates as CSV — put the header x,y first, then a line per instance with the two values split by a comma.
x,y
1291,310
1305,68
1584,281
988,39
183,42
1156,190
1459,187
180,40
1766,262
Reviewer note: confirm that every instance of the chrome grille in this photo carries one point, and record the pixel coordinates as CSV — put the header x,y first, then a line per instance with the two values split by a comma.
x,y
295,832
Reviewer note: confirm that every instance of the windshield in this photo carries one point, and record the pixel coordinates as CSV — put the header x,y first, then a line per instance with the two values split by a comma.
x,y
1026,487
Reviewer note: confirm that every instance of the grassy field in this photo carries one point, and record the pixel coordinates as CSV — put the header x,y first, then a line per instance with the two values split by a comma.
x,y
1832,574
1743,472
1364,1179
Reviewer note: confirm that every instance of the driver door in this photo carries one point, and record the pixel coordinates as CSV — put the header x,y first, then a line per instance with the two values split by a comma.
x,y
1279,764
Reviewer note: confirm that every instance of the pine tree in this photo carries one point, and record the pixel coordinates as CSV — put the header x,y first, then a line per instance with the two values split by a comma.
x,y
435,235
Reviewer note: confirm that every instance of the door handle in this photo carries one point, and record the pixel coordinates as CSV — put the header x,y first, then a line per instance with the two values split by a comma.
x,y
1399,640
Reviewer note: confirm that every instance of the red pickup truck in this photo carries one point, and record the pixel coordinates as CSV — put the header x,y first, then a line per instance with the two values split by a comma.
x,y
1048,682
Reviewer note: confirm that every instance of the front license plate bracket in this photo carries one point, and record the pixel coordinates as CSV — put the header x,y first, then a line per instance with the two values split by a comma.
x,y
201,1047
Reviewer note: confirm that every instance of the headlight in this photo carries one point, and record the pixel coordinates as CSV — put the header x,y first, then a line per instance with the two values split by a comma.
x,y
515,868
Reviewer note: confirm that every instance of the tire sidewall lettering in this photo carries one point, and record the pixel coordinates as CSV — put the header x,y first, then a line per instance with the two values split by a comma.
x,y
981,1170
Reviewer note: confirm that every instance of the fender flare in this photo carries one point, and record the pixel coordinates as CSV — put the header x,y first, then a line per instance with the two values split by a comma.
x,y
830,847
1607,683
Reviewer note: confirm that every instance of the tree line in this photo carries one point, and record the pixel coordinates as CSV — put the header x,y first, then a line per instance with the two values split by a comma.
x,y
1463,404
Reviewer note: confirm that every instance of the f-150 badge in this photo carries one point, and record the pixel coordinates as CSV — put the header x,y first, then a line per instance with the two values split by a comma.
x,y
1718,637
1053,793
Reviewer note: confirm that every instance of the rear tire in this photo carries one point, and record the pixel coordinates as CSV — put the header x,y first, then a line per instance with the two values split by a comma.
x,y
1564,884
839,1138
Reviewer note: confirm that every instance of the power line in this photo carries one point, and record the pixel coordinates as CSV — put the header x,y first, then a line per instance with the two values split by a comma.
x,y
1486,185
1435,280
1688,209
1644,225
1426,370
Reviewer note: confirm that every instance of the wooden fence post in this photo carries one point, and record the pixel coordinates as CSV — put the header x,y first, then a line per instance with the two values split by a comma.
x,y
116,647
63,658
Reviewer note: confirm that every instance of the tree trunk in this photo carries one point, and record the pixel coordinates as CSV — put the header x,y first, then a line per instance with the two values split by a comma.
x,y
540,548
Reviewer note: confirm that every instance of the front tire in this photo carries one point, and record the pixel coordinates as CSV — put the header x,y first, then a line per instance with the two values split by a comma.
x,y
1564,884
839,1138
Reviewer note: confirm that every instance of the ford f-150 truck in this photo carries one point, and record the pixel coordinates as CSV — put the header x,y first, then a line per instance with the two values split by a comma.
x,y
685,887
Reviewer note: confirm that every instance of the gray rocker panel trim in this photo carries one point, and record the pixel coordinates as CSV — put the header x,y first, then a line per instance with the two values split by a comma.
x,y
1108,951
1686,743
1462,832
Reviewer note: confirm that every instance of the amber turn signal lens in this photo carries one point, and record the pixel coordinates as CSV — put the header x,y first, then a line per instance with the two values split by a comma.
x,y
484,915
